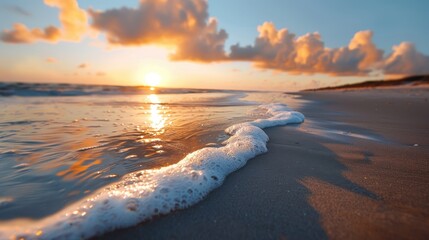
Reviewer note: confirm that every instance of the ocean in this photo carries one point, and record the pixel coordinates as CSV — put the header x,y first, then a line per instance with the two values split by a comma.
x,y
80,160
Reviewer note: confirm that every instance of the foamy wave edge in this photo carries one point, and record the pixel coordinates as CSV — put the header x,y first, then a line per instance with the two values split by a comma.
x,y
141,195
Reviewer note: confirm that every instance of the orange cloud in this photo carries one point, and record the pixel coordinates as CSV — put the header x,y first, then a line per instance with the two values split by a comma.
x,y
82,65
282,50
181,24
207,46
21,34
363,42
73,26
405,60
51,60
73,20
187,27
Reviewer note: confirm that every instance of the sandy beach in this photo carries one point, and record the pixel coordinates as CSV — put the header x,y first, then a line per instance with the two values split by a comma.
x,y
198,119
357,168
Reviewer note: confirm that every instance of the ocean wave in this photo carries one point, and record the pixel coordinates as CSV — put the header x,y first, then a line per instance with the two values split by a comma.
x,y
141,195
8,89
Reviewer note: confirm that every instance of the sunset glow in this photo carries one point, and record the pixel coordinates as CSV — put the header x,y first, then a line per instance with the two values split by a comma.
x,y
115,114
41,41
152,79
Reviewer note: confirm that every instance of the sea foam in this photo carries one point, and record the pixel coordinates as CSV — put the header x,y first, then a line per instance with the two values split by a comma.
x,y
141,195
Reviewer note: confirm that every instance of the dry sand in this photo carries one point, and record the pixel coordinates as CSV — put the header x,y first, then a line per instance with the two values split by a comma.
x,y
358,168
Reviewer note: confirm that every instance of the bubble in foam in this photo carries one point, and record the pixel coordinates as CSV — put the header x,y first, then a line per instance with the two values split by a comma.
x,y
141,195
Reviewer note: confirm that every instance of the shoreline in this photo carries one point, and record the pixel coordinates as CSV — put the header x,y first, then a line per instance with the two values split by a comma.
x,y
354,169
142,195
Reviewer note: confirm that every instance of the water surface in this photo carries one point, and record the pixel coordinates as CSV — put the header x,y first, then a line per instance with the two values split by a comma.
x,y
59,143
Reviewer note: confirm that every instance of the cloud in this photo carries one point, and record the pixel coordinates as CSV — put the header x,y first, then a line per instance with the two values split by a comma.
x,y
73,26
83,65
406,60
184,25
21,34
18,10
206,46
282,50
362,41
73,20
51,60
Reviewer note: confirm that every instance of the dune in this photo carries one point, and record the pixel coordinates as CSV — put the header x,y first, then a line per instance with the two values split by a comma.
x,y
412,81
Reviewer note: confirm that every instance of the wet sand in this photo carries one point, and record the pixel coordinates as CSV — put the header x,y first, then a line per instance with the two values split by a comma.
x,y
358,168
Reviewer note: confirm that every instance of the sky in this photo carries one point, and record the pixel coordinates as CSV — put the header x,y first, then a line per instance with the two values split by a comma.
x,y
283,45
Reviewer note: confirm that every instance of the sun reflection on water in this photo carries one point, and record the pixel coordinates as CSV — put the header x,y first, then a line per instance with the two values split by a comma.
x,y
156,116
84,160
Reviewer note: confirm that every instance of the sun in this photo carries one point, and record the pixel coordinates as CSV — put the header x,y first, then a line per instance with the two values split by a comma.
x,y
152,79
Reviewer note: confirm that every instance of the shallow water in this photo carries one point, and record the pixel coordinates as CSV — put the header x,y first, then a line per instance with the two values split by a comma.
x,y
55,150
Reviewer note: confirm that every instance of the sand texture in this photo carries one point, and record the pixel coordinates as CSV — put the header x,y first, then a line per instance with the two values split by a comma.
x,y
358,168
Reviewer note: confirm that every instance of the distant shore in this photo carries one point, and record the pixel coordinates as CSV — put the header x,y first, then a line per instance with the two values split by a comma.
x,y
357,168
412,81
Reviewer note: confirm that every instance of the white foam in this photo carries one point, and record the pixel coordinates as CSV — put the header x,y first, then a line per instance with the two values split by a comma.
x,y
141,195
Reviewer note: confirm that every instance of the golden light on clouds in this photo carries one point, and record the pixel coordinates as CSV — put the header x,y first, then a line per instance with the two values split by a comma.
x,y
142,45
